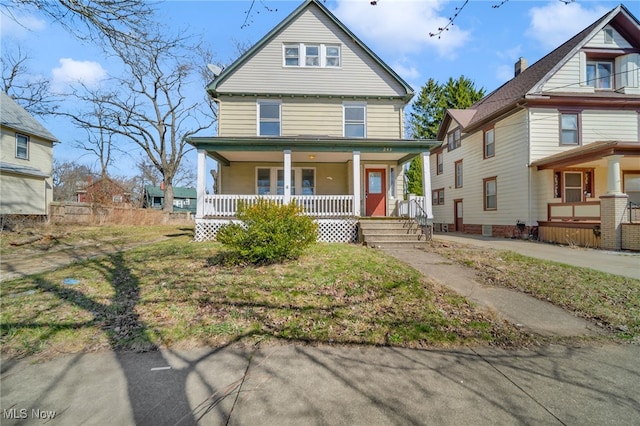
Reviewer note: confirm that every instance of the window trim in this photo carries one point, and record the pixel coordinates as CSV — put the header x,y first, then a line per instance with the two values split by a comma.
x,y
592,83
296,177
27,139
259,120
437,197
484,193
323,56
346,105
454,139
486,132
588,184
458,174
439,163
578,115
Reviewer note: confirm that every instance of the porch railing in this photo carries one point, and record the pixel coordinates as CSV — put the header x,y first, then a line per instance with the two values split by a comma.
x,y
574,211
412,207
312,205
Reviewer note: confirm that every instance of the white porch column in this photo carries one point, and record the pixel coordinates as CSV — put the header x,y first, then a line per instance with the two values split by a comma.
x,y
614,180
426,185
287,176
201,183
357,200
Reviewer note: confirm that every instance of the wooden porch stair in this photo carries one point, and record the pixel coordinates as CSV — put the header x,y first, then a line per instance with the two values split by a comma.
x,y
391,232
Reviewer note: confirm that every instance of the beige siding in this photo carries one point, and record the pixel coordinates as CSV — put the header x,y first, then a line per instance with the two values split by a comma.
x,y
40,152
358,75
596,125
240,178
598,40
509,165
312,116
569,77
23,194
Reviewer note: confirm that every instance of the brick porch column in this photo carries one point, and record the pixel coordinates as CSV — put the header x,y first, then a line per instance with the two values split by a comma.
x,y
612,207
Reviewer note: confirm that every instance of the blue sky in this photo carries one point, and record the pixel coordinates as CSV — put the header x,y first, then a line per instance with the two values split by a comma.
x,y
483,44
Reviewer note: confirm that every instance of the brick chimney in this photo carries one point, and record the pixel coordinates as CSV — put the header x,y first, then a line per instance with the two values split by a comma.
x,y
519,66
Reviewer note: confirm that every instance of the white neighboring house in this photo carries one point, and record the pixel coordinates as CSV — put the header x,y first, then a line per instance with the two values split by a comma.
x,y
556,147
26,161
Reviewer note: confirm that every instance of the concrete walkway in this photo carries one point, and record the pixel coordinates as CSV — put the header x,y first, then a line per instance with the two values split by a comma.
x,y
303,385
613,262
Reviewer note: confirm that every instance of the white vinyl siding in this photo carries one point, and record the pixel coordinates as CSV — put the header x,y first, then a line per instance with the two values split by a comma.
x,y
299,116
24,195
358,74
600,40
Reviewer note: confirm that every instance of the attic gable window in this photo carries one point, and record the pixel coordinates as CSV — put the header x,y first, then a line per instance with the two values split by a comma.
x,y
453,140
311,55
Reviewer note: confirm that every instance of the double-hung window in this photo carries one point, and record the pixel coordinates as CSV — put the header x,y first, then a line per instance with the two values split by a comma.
x,y
569,128
600,74
437,197
270,181
355,120
268,118
453,140
458,173
489,143
313,55
22,146
490,193
439,163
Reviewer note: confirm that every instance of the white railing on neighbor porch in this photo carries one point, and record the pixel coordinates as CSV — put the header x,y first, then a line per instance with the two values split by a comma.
x,y
313,205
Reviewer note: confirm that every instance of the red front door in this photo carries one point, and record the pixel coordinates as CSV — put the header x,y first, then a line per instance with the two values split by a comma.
x,y
376,201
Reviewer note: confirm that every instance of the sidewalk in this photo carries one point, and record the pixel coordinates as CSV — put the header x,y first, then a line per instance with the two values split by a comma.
x,y
303,385
613,262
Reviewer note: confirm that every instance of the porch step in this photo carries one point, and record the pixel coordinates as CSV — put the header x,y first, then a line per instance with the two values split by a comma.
x,y
391,233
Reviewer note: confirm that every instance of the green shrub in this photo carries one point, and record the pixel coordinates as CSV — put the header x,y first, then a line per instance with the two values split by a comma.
x,y
270,232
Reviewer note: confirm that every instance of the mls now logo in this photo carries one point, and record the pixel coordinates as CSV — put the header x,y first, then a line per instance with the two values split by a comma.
x,y
23,413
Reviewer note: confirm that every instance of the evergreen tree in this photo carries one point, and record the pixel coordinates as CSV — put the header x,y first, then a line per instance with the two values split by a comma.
x,y
428,111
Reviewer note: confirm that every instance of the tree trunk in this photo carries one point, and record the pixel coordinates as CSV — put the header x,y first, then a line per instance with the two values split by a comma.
x,y
168,198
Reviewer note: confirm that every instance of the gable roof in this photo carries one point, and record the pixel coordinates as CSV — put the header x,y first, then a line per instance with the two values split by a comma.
x,y
17,118
178,192
514,91
213,86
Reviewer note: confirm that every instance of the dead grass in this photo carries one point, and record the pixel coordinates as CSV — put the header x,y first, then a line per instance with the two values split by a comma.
x,y
177,293
610,300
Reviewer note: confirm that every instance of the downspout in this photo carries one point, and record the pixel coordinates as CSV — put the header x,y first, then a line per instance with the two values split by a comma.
x,y
528,165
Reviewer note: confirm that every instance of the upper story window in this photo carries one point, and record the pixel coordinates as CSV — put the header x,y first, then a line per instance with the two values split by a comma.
x,y
453,140
608,36
268,118
569,128
22,146
439,163
355,120
600,74
489,143
311,55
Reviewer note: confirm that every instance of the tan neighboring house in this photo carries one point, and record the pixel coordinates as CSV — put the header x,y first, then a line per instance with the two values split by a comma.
x,y
309,114
557,147
26,161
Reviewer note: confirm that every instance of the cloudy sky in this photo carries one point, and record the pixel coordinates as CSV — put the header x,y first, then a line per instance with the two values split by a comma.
x,y
483,44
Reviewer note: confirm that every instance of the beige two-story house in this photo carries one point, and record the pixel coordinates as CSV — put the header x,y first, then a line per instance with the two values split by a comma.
x,y
552,148
309,114
26,161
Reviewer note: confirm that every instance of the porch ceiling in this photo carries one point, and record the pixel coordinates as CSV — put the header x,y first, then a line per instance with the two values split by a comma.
x,y
590,153
310,149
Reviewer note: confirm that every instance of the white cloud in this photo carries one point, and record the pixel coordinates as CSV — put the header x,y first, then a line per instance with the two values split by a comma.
x,y
553,24
401,26
407,72
19,25
504,73
71,71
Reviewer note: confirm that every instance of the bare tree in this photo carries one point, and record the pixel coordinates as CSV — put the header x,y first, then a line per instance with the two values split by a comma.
x,y
31,92
113,22
68,177
149,105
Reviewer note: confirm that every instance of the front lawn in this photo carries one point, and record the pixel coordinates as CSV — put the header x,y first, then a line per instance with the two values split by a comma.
x,y
180,293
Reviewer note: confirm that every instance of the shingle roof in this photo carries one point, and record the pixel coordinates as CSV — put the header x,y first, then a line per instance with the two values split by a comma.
x,y
22,170
515,90
14,116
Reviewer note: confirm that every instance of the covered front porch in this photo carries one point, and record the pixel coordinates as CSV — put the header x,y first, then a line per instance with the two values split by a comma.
x,y
335,180
596,194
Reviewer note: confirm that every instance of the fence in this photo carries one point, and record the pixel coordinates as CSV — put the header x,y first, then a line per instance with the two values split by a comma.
x,y
95,214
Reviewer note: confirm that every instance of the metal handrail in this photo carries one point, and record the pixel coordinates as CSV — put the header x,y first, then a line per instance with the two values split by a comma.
x,y
423,220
